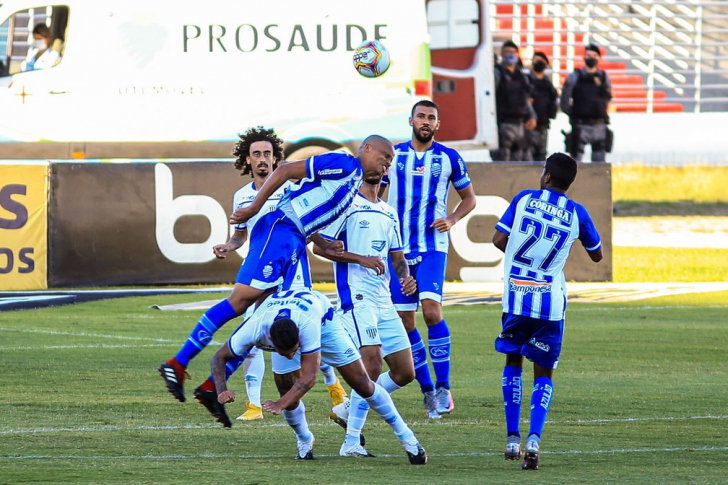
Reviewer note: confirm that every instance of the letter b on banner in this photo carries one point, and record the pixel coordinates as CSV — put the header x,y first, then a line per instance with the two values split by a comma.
x,y
169,210
23,227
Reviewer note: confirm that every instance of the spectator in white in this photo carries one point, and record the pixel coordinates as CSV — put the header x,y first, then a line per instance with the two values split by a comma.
x,y
40,55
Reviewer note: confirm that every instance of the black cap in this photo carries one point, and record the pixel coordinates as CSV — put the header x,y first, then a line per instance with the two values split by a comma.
x,y
509,43
542,55
594,48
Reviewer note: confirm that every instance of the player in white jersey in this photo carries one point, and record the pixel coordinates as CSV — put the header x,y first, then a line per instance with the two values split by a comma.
x,y
370,233
536,233
419,181
304,323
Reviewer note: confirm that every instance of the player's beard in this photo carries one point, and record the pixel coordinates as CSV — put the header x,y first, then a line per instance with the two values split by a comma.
x,y
262,171
424,138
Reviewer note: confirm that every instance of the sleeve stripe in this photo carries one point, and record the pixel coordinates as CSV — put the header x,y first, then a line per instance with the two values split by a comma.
x,y
595,247
504,229
462,183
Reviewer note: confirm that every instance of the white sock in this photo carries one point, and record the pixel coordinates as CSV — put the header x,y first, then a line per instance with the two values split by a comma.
x,y
385,380
329,374
254,367
296,419
381,402
359,409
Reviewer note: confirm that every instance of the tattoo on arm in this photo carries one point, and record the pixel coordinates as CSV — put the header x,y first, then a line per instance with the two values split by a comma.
x,y
402,269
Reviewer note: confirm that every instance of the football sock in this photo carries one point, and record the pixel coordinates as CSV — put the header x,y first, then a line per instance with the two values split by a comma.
x,y
419,356
381,402
512,385
208,385
296,419
254,366
201,335
543,393
438,340
385,380
329,374
359,409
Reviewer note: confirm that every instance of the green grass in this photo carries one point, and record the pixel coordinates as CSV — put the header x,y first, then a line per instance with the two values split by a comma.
x,y
703,184
669,265
639,398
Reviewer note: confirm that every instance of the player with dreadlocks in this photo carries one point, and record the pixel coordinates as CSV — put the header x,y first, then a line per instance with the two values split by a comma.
x,y
257,153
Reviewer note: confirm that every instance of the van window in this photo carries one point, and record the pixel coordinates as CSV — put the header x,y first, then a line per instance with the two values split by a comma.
x,y
17,52
453,24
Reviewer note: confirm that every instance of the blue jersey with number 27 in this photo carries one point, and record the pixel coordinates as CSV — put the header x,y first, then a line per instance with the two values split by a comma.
x,y
541,225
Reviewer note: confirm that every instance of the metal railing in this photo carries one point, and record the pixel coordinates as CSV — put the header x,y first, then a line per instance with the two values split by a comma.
x,y
679,47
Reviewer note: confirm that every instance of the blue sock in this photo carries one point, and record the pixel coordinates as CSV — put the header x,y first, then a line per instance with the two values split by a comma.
x,y
419,356
438,339
512,385
201,335
543,393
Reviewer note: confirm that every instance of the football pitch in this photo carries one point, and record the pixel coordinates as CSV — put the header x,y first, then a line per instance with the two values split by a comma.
x,y
641,396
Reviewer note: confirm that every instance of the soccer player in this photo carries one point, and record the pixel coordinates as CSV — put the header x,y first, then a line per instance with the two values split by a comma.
x,y
370,233
419,181
304,324
536,233
257,154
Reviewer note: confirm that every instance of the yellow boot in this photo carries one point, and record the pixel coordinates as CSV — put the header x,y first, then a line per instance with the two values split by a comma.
x,y
253,412
336,393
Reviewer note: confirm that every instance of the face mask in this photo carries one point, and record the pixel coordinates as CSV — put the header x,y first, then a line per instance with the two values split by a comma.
x,y
510,59
591,62
539,66
40,44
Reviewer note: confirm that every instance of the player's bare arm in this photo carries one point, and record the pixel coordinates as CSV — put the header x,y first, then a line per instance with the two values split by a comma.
x,y
236,241
467,204
597,255
221,357
401,269
288,171
326,247
309,368
371,262
500,240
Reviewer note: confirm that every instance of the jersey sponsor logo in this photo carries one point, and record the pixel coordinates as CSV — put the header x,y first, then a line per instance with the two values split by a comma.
x,y
378,245
285,313
550,209
524,284
330,171
364,224
539,345
420,171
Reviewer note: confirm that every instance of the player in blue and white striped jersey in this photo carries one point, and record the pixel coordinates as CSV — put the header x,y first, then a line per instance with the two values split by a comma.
x,y
370,233
419,181
257,153
536,233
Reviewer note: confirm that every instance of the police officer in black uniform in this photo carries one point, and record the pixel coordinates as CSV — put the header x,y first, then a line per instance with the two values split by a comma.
x,y
585,98
545,103
514,112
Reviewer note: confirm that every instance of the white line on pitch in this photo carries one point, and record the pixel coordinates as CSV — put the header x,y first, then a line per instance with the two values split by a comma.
x,y
237,456
375,423
92,346
95,335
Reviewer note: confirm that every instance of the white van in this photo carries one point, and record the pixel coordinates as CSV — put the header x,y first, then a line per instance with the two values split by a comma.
x,y
165,71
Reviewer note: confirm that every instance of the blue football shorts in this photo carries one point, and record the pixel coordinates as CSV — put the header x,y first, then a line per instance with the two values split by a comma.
x,y
537,340
428,270
276,246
